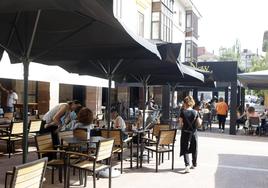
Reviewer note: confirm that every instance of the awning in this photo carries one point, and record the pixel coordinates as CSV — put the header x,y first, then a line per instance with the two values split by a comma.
x,y
254,80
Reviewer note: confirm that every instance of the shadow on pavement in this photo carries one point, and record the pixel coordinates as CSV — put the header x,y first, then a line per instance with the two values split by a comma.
x,y
241,171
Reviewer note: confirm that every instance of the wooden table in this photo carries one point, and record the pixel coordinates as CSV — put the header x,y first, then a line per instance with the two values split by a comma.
x,y
138,133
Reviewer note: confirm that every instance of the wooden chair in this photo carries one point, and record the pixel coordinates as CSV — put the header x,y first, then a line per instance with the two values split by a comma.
x,y
254,124
28,175
12,135
65,134
9,115
94,164
45,148
206,121
165,144
119,142
34,127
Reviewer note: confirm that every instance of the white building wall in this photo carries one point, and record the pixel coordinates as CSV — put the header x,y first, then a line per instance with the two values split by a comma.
x,y
179,26
126,11
129,14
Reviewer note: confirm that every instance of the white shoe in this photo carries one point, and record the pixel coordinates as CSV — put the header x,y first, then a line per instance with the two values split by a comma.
x,y
187,169
192,167
222,131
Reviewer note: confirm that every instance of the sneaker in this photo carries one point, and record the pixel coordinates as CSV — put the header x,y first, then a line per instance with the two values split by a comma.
x,y
222,131
187,169
192,167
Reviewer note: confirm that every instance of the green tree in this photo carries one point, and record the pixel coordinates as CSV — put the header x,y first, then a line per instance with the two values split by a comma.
x,y
231,54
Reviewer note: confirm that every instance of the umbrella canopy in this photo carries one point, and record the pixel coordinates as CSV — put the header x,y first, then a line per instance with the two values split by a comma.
x,y
60,32
254,80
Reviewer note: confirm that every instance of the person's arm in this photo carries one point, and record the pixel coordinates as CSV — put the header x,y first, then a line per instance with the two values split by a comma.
x,y
117,123
2,88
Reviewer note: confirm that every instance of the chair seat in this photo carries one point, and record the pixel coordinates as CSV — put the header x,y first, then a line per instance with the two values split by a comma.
x,y
160,148
118,150
55,162
153,140
88,165
12,138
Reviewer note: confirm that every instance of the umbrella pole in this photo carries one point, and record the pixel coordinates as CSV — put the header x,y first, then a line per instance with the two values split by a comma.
x,y
108,111
172,102
25,112
26,62
144,103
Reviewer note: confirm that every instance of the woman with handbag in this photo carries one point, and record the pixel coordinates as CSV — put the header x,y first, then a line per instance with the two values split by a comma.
x,y
189,121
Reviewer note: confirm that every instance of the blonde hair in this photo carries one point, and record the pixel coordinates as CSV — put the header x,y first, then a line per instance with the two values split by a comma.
x,y
189,101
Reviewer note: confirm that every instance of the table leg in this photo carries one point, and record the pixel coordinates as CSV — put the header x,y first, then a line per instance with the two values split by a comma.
x,y
138,146
131,153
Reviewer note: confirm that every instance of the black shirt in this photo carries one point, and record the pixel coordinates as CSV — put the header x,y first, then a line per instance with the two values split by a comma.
x,y
191,115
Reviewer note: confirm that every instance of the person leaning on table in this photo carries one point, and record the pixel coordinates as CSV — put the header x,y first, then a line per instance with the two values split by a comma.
x,y
57,117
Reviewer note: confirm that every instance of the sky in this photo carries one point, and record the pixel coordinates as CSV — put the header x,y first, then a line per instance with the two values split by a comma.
x,y
224,21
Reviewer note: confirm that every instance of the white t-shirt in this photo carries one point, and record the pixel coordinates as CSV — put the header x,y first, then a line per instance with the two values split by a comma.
x,y
11,99
121,122
48,117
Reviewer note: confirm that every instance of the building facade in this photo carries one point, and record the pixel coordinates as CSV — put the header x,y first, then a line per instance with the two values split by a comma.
x,y
159,21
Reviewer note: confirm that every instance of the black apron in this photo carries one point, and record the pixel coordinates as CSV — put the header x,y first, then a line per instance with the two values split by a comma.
x,y
188,133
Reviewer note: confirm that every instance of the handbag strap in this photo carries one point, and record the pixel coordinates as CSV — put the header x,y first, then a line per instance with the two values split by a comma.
x,y
190,123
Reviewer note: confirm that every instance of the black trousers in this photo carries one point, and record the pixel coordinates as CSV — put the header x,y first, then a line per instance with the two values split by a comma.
x,y
222,120
187,159
52,131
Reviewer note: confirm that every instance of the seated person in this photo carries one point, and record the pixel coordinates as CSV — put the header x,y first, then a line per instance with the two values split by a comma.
x,y
139,121
117,120
251,113
69,126
241,119
85,119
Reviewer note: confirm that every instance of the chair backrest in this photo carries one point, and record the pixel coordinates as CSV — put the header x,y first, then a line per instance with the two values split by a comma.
x,y
35,126
167,137
16,128
81,133
9,115
44,142
104,149
254,120
116,134
65,134
206,117
29,175
159,127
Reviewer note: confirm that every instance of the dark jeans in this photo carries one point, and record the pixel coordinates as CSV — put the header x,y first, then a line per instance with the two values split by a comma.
x,y
222,119
9,109
187,160
52,130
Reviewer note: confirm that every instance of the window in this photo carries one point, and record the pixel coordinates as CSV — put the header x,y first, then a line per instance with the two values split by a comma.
x,y
188,21
140,24
162,24
188,49
192,23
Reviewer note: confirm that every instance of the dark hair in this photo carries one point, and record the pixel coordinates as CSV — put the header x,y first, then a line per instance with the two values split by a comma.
x,y
74,102
85,116
251,109
113,110
77,110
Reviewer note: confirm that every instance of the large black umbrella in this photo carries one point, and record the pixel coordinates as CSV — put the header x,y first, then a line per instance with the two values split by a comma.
x,y
61,32
159,74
